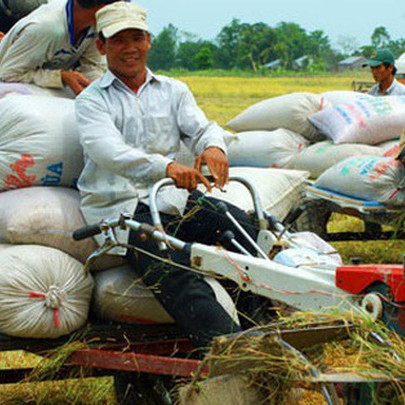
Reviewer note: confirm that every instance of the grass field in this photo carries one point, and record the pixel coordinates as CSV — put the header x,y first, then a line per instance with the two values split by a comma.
x,y
221,99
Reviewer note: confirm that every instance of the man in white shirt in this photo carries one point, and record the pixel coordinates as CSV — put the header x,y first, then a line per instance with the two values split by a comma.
x,y
382,66
131,123
54,46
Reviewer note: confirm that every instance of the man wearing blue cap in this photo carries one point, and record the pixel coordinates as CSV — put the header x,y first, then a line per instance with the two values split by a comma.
x,y
382,65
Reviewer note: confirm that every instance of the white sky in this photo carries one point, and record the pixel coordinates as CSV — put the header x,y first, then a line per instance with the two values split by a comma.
x,y
347,18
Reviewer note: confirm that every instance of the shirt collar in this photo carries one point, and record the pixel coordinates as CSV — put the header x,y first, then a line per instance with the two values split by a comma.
x,y
389,90
109,77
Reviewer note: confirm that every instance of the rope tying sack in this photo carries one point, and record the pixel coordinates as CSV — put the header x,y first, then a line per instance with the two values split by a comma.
x,y
54,298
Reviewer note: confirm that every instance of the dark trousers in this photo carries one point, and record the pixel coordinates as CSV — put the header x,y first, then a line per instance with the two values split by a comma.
x,y
184,294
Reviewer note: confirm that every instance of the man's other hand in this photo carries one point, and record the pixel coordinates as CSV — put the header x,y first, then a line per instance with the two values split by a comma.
x,y
186,177
217,164
75,80
2,35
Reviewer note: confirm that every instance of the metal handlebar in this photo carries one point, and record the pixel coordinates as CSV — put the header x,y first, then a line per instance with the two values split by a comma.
x,y
169,182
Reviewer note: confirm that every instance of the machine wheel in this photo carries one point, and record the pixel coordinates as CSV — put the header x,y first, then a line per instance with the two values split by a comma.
x,y
314,218
140,389
392,314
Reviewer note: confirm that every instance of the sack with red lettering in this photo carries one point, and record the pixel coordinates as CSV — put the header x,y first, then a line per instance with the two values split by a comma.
x,y
39,142
370,121
390,148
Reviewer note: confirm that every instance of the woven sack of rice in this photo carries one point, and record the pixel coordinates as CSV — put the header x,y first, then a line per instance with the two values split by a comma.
x,y
369,178
337,97
368,121
320,156
39,142
279,189
44,293
48,216
265,148
390,148
120,296
289,111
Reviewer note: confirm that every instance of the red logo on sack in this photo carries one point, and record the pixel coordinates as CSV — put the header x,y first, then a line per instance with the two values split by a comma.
x,y
19,178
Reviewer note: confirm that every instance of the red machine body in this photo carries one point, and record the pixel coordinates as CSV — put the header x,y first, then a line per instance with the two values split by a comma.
x,y
356,279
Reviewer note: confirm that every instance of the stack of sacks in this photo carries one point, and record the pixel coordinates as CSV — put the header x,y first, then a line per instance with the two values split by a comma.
x,y
370,178
273,132
45,283
289,131
40,148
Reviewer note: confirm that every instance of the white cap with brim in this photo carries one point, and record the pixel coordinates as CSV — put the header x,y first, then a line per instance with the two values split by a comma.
x,y
120,16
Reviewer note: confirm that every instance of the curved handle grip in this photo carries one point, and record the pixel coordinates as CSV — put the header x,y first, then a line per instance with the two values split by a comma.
x,y
87,231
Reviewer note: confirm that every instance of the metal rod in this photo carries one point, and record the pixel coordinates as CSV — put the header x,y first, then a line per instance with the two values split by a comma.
x,y
240,247
247,236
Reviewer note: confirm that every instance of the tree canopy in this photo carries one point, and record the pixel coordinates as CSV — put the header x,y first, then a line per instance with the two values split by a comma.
x,y
254,46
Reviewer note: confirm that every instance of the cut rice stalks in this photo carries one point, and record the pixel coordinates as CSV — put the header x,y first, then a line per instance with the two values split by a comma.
x,y
269,358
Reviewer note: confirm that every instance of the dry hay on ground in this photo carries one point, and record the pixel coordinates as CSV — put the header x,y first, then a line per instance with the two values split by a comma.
x,y
267,370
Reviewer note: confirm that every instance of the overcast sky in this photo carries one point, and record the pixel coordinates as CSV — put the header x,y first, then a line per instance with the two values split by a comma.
x,y
337,18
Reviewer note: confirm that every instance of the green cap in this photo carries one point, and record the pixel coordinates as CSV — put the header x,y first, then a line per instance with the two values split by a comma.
x,y
380,57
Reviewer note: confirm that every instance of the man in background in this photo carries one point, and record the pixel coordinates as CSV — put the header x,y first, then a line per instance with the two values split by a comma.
x,y
382,66
54,46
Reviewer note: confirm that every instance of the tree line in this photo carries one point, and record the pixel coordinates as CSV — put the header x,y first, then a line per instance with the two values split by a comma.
x,y
253,47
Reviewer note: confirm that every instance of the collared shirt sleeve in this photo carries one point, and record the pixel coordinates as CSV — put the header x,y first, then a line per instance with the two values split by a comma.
x,y
197,132
92,64
23,60
105,145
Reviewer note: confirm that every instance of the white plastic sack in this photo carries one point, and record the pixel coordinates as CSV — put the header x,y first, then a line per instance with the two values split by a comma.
x,y
121,297
7,89
39,142
44,293
369,178
265,148
289,111
185,157
321,156
279,189
344,97
369,121
47,216
312,241
303,257
65,92
389,148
